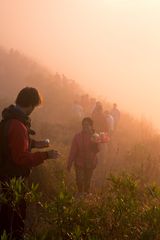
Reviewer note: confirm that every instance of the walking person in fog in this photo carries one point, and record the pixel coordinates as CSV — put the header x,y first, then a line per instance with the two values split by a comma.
x,y
99,118
115,114
16,159
110,123
83,154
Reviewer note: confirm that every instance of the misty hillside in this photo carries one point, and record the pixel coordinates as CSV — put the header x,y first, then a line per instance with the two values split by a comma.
x,y
53,119
59,93
18,71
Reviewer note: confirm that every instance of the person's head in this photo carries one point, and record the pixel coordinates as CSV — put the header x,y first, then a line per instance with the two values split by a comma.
x,y
99,107
27,99
114,105
87,125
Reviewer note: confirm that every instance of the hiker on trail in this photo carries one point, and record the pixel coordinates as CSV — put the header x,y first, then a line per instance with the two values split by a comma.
x,y
116,115
83,154
98,117
16,159
110,122
100,125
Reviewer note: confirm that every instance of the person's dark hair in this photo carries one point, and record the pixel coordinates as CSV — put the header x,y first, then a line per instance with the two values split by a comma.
x,y
88,120
115,105
28,96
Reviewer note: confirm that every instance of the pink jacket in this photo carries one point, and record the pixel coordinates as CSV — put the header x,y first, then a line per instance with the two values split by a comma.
x,y
83,151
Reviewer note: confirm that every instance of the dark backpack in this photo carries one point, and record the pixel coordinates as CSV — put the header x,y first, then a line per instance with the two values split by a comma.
x,y
4,151
7,167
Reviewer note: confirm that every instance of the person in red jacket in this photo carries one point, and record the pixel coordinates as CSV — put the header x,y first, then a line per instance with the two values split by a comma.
x,y
16,158
83,154
99,118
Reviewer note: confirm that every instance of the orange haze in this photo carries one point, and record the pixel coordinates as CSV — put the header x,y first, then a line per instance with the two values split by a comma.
x,y
112,47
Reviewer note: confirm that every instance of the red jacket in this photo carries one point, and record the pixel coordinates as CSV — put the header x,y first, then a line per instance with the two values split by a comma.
x,y
83,151
18,143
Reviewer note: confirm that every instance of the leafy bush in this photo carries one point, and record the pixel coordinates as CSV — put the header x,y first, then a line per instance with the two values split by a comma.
x,y
125,209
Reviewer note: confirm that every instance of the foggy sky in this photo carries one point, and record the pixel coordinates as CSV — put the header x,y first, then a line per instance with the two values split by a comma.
x,y
111,47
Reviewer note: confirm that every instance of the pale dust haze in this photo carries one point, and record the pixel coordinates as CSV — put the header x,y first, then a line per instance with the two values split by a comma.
x,y
111,47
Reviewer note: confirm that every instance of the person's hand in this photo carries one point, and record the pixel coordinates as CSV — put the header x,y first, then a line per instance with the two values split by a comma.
x,y
53,154
42,144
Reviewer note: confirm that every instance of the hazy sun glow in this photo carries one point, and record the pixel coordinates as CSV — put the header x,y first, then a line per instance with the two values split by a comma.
x,y
111,47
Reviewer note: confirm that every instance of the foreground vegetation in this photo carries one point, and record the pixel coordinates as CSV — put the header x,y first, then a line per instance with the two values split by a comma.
x,y
126,208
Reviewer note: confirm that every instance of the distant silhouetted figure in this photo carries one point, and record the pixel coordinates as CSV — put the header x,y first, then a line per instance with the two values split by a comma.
x,y
100,126
98,117
110,122
116,115
83,154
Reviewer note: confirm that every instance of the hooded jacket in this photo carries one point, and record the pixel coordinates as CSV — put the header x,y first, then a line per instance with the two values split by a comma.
x,y
16,158
83,152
